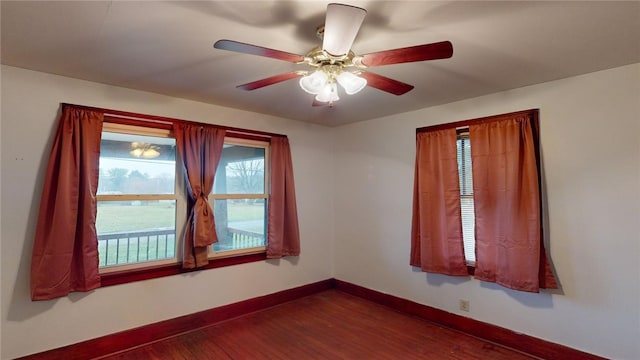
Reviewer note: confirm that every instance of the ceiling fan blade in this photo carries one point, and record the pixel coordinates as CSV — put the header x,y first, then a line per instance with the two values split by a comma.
x,y
257,50
386,84
341,27
268,81
439,50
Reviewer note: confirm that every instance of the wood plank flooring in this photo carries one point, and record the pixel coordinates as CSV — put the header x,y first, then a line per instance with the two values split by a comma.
x,y
327,325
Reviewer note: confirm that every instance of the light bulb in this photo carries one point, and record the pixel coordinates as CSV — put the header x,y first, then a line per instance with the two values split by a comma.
x,y
314,83
351,83
329,93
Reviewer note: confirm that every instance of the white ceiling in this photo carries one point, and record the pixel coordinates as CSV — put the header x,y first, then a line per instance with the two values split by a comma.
x,y
167,48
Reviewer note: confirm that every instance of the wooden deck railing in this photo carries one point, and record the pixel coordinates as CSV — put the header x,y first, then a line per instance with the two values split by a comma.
x,y
136,246
241,239
120,248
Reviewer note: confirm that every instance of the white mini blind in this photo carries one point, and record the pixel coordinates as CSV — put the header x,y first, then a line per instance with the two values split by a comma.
x,y
466,197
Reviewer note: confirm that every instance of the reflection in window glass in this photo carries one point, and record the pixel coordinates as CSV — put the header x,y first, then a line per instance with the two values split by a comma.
x,y
136,215
136,164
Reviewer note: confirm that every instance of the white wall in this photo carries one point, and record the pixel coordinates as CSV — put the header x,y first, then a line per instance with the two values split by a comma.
x,y
591,153
30,103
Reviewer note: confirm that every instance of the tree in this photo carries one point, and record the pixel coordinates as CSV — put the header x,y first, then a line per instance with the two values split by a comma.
x,y
138,182
117,176
246,177
135,174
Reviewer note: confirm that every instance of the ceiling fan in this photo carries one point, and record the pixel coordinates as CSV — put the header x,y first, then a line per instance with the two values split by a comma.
x,y
334,62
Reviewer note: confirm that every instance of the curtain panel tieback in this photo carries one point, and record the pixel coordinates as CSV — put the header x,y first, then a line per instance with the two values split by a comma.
x,y
200,148
204,223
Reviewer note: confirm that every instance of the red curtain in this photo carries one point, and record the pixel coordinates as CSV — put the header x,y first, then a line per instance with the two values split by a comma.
x,y
200,148
283,237
65,249
436,230
509,246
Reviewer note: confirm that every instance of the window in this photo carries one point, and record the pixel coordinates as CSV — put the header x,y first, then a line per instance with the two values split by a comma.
x,y
239,197
137,206
496,226
137,198
463,146
135,223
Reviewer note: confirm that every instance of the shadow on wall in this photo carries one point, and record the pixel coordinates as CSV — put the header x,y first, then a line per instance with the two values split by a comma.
x,y
542,300
546,233
21,307
439,279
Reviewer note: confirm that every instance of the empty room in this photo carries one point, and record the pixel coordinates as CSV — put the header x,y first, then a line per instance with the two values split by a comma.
x,y
316,180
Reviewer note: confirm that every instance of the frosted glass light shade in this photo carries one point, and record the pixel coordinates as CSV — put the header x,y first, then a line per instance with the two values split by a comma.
x,y
329,93
314,83
351,83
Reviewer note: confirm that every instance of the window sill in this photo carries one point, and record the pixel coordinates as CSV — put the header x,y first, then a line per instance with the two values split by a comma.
x,y
123,277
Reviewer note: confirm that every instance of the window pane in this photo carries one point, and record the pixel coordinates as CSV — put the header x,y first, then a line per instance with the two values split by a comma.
x,y
240,171
464,165
466,198
136,164
468,228
136,231
240,224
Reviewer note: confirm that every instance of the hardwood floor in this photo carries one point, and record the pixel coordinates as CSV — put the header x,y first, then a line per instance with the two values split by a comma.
x,y
327,325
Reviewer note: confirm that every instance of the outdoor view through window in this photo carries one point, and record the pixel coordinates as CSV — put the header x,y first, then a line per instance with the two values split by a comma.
x,y
139,208
136,219
239,198
466,197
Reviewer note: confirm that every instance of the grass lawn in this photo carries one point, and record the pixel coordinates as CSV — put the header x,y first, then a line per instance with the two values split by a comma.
x,y
120,216
245,212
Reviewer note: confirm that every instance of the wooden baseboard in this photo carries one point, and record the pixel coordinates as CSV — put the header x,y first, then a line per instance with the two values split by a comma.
x,y
128,339
114,343
527,344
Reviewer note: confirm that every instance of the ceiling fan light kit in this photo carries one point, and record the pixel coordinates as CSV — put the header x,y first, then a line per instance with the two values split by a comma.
x,y
328,94
333,59
322,82
351,83
314,82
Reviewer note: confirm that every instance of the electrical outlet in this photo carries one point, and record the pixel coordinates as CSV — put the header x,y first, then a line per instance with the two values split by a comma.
x,y
464,305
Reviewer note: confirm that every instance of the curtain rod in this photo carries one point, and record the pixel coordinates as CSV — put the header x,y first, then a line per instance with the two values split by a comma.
x,y
160,120
466,123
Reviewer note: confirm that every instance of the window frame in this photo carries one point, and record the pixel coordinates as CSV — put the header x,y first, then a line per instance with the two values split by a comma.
x,y
125,274
177,196
464,124
263,144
